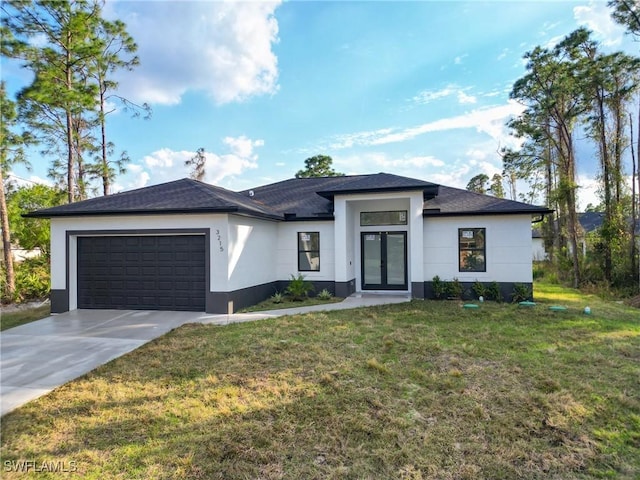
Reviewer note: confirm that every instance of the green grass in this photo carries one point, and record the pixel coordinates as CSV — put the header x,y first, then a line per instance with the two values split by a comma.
x,y
20,317
407,391
269,304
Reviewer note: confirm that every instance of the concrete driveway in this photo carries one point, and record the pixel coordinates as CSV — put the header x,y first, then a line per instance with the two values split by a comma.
x,y
39,356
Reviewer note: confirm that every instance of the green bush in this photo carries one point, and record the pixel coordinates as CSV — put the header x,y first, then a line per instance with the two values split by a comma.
x,y
454,289
277,297
32,279
521,293
298,287
325,295
493,292
479,289
439,287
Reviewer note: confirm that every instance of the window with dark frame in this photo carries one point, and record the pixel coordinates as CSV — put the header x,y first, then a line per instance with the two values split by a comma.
x,y
392,217
309,251
472,250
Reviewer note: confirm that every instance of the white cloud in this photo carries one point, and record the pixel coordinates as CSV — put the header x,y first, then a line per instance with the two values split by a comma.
x,y
242,146
419,166
162,158
491,121
166,164
459,58
19,181
427,96
457,177
597,17
463,98
221,48
588,191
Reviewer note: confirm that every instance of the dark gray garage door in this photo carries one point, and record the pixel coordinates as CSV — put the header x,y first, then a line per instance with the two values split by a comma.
x,y
142,273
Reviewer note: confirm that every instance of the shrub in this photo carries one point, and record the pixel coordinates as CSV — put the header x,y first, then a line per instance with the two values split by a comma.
x,y
454,289
298,287
479,289
32,279
493,292
325,295
277,297
521,293
439,287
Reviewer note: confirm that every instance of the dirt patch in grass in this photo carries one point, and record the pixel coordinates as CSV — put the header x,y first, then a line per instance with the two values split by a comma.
x,y
412,391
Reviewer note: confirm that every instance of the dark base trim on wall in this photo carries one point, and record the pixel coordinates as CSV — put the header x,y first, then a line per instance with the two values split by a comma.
x,y
230,302
344,289
417,289
59,301
506,290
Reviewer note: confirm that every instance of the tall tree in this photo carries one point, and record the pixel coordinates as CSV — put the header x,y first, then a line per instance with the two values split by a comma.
x,y
59,92
478,183
607,86
197,163
73,53
11,152
550,92
318,166
496,189
117,52
627,13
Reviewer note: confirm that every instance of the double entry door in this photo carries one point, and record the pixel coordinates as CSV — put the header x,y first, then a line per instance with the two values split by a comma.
x,y
384,260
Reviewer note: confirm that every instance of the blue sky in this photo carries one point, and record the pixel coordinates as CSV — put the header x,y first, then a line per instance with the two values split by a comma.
x,y
413,88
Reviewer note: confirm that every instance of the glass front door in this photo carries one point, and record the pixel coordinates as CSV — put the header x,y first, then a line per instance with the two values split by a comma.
x,y
384,260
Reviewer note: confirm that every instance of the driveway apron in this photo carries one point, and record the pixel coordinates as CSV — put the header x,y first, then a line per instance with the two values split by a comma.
x,y
37,357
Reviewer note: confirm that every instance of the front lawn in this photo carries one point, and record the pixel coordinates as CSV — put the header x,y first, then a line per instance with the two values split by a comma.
x,y
409,391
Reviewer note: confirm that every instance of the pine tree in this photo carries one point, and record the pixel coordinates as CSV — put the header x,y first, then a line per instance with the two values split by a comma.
x,y
11,152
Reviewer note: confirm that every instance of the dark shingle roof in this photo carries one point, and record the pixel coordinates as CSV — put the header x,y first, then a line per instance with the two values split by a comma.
x,y
454,201
179,196
296,198
312,197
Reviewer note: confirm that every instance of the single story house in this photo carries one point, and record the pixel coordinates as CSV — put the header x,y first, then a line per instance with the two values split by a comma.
x,y
188,245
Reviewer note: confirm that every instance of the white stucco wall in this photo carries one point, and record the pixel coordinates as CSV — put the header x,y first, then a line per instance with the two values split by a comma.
x,y
347,210
59,227
508,248
287,250
252,247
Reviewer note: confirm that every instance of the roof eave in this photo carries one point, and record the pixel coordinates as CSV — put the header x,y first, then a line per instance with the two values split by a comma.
x,y
432,213
174,211
329,194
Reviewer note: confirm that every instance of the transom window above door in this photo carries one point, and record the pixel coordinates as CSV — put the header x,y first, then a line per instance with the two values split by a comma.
x,y
391,217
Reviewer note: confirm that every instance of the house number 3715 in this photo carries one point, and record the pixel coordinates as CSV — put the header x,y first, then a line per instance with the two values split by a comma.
x,y
219,237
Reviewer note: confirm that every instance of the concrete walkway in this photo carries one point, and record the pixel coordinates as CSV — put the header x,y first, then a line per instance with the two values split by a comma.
x,y
39,356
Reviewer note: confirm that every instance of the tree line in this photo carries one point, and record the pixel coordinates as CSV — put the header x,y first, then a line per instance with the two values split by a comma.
x,y
571,91
74,54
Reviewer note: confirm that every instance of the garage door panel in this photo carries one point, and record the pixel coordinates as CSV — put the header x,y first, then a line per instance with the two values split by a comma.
x,y
145,272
